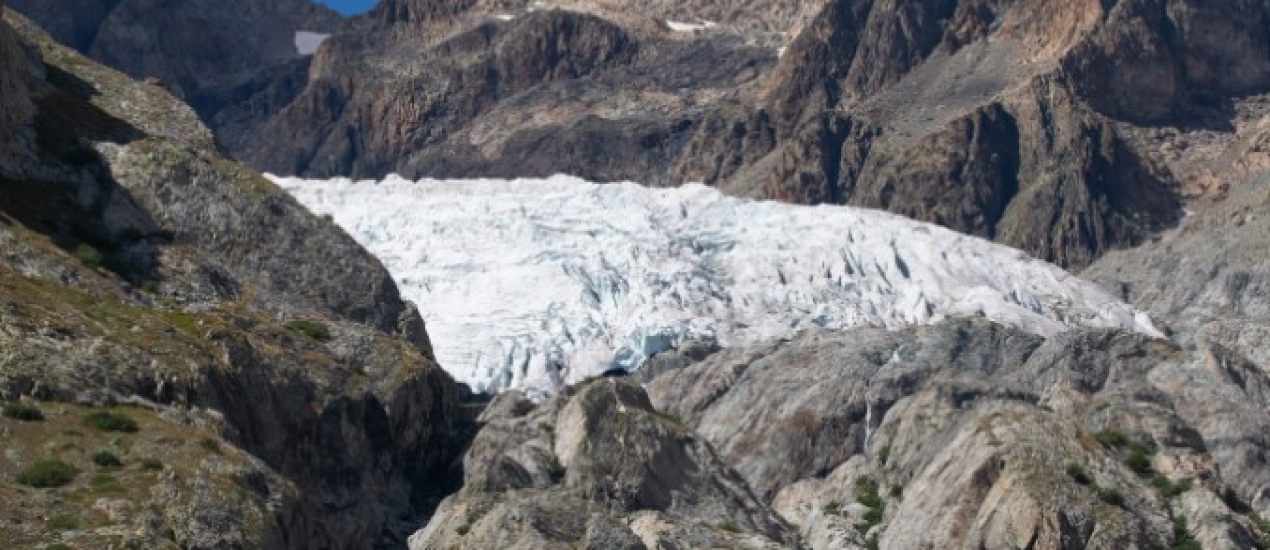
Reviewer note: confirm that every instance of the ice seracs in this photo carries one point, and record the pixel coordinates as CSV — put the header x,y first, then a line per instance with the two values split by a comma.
x,y
534,283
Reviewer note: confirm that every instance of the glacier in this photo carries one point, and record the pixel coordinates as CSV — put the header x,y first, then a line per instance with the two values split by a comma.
x,y
531,284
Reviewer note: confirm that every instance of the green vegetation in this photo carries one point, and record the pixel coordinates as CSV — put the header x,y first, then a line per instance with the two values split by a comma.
x,y
884,454
1182,537
464,529
110,422
88,255
210,445
547,428
151,465
1167,488
1078,474
834,508
47,474
64,522
312,329
897,491
25,413
675,420
556,470
866,492
1108,495
1112,439
106,460
730,527
58,546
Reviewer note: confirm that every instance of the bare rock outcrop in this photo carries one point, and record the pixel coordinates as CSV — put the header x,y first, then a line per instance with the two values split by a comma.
x,y
276,390
596,467
234,62
971,435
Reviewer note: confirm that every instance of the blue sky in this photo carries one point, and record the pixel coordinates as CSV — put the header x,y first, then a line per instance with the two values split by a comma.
x,y
349,7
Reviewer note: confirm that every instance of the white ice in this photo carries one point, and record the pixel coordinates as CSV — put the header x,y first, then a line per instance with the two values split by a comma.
x,y
307,43
533,283
678,26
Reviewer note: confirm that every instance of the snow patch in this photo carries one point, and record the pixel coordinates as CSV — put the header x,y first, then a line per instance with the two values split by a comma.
x,y
531,284
307,43
679,26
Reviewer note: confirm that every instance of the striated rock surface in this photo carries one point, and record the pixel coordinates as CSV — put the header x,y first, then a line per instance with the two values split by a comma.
x,y
972,435
1000,119
596,467
281,392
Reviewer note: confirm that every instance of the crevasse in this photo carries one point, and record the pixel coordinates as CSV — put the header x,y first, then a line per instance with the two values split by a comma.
x,y
533,283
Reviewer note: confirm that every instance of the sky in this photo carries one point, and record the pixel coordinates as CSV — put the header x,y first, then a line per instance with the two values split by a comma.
x,y
350,7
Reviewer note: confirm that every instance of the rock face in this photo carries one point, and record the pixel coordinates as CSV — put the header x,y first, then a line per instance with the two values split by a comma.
x,y
1012,120
234,62
142,267
971,435
997,119
503,90
596,467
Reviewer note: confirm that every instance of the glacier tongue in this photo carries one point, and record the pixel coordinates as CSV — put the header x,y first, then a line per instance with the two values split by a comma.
x,y
533,283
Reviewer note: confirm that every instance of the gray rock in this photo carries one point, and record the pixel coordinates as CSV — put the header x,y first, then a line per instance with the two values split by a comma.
x,y
596,466
971,435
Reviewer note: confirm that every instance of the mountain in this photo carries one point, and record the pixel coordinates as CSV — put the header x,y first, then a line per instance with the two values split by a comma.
x,y
1012,120
191,359
234,62
618,273
1048,130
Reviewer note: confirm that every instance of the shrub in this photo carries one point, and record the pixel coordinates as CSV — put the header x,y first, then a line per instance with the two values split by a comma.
x,y
1139,463
866,491
672,419
1111,438
1108,495
110,422
47,474
150,464
556,470
884,454
1167,488
25,413
312,329
897,491
464,529
834,508
64,522
57,546
730,527
106,459
1077,473
1182,538
210,445
88,255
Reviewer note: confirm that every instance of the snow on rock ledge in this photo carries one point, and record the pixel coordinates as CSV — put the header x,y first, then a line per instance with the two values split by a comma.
x,y
533,283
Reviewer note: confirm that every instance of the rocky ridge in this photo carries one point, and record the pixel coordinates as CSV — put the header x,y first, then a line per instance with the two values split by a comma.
x,y
283,394
234,62
596,467
1051,130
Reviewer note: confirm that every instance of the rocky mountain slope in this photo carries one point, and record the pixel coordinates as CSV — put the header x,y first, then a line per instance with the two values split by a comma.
x,y
234,62
1051,130
1011,120
597,467
188,357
